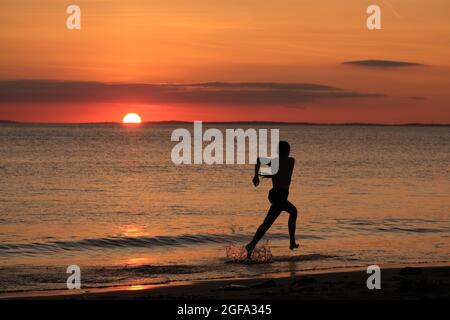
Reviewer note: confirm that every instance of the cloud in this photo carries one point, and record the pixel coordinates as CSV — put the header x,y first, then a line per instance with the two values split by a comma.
x,y
265,85
222,93
383,63
417,98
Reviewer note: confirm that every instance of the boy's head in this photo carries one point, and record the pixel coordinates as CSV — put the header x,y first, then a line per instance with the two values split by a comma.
x,y
284,148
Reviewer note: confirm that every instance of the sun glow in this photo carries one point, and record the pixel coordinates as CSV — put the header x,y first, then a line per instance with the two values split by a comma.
x,y
132,118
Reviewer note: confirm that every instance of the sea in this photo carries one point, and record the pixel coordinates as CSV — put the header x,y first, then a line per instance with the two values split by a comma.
x,y
109,199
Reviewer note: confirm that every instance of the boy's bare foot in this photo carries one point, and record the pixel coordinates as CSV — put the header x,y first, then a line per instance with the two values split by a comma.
x,y
249,249
293,246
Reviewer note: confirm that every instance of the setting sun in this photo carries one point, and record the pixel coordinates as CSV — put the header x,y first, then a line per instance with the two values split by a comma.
x,y
132,118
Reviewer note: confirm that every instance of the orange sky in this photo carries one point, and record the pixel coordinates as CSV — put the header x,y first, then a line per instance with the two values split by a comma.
x,y
185,41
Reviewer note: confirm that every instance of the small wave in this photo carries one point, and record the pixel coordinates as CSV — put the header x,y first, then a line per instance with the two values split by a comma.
x,y
304,257
263,255
413,230
395,225
126,242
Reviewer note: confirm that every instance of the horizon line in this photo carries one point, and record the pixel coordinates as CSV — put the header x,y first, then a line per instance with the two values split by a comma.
x,y
238,122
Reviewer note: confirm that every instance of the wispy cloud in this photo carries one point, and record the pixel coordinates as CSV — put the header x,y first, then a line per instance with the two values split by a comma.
x,y
223,93
383,63
417,98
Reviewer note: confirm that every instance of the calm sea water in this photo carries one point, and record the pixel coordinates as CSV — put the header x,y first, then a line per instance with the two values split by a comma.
x,y
109,199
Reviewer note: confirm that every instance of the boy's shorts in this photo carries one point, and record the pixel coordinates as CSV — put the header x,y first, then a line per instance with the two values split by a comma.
x,y
278,196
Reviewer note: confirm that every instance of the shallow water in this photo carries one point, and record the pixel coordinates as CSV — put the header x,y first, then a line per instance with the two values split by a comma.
x,y
109,199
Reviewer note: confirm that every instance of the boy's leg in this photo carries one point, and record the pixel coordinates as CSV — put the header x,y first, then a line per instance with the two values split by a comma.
x,y
292,210
272,215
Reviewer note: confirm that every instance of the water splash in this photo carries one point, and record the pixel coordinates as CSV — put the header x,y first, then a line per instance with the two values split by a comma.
x,y
238,254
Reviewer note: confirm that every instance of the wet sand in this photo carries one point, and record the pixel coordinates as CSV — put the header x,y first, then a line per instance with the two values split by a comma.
x,y
412,282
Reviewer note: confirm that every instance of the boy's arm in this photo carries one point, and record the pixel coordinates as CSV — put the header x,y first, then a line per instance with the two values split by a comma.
x,y
256,176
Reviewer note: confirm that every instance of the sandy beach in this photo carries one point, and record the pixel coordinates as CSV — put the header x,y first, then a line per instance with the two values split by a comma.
x,y
405,282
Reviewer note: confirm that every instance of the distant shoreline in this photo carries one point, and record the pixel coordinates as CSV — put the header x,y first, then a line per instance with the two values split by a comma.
x,y
243,123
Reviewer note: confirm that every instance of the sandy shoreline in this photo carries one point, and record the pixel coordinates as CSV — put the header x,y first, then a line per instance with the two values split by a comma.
x,y
398,282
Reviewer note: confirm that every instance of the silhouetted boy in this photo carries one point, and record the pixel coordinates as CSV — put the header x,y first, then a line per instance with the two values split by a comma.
x,y
278,196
